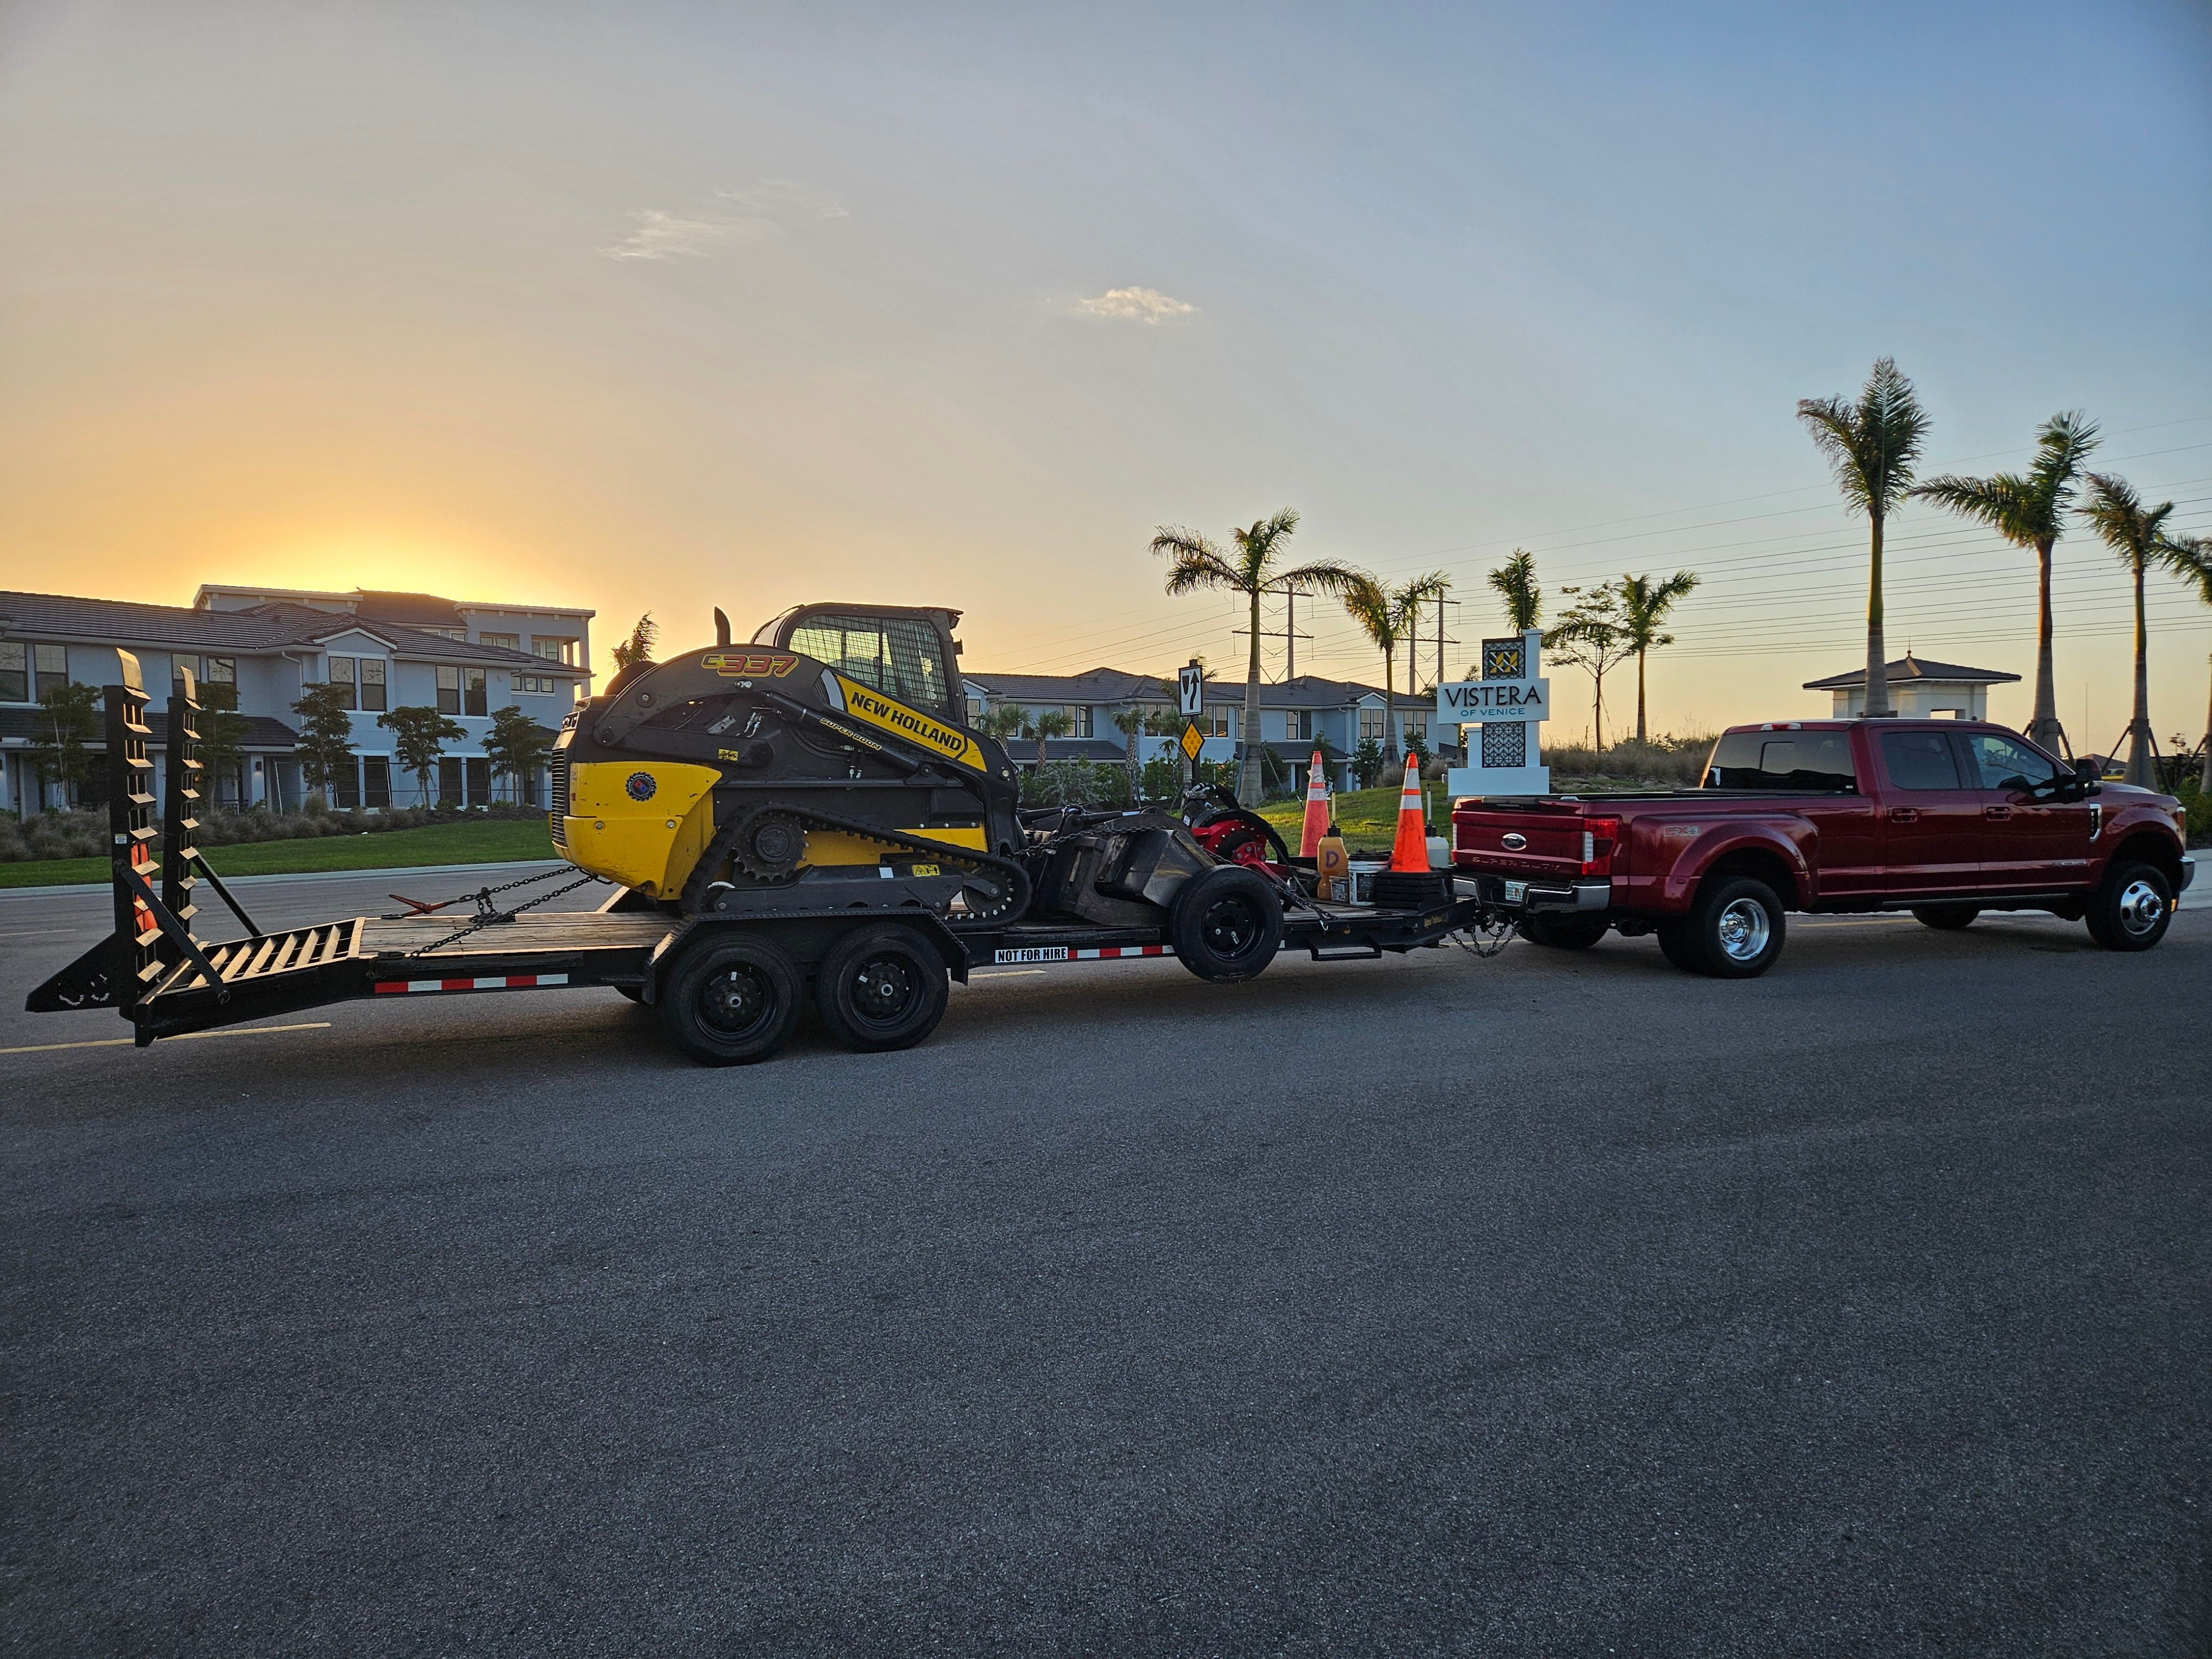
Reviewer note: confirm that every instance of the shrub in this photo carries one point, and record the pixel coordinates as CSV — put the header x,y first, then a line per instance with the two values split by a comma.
x,y
84,834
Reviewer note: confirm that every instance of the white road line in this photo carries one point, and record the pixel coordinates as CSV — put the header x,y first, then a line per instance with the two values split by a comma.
x,y
125,1042
1006,972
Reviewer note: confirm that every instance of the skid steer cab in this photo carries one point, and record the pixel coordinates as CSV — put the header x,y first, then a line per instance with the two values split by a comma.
x,y
805,819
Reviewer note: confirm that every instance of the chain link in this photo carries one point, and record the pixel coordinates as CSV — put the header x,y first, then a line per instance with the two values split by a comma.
x,y
487,913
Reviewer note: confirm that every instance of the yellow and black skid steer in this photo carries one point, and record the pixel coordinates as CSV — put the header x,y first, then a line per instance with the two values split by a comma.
x,y
824,765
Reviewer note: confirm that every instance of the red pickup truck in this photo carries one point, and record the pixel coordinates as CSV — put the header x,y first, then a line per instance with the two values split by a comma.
x,y
1945,818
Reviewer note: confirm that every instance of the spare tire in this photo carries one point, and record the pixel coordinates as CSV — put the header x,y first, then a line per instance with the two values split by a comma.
x,y
1226,923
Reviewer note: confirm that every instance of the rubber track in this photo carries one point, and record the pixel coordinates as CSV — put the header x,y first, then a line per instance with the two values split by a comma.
x,y
694,886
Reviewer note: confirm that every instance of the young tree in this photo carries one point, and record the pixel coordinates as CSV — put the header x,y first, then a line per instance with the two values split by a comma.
x,y
65,725
1645,604
222,740
638,648
1047,723
1130,722
1516,582
2138,535
2028,509
1251,570
325,745
1593,635
516,745
1871,447
419,737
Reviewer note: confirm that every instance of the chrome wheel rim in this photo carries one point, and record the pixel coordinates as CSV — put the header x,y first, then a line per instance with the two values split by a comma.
x,y
1744,930
2141,906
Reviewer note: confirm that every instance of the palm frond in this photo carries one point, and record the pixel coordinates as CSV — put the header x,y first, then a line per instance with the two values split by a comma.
x,y
1515,583
2062,443
1871,445
1330,576
1199,564
1368,603
2004,501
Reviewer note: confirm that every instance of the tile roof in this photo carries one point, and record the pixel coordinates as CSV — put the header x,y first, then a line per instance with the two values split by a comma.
x,y
268,628
1909,667
1103,685
22,725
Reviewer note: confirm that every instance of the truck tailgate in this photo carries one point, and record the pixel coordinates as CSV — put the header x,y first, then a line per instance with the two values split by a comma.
x,y
1540,841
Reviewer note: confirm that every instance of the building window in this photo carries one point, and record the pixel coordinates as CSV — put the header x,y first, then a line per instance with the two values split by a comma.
x,y
537,685
15,671
976,709
1416,728
220,670
478,770
374,693
554,649
376,780
443,633
449,690
52,663
449,783
346,785
342,676
473,691
504,641
1079,719
1214,722
1373,727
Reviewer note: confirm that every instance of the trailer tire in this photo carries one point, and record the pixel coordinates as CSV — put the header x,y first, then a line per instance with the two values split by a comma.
x,y
2132,908
1226,923
1565,933
731,1001
881,989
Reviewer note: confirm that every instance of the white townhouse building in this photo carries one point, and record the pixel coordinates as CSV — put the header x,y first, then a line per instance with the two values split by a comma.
x,y
388,650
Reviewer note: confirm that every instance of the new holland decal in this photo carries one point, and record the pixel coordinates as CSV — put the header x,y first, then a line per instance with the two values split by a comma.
x,y
949,741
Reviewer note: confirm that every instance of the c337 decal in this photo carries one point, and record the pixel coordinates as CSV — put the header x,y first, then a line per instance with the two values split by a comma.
x,y
749,665
876,709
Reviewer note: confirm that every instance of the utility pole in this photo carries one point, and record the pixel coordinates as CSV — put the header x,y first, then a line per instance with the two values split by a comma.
x,y
1290,636
1441,602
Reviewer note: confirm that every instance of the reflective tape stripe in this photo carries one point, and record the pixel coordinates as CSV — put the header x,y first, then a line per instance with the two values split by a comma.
x,y
496,982
1107,953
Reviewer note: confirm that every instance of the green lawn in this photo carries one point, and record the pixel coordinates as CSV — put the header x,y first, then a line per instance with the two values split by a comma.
x,y
491,842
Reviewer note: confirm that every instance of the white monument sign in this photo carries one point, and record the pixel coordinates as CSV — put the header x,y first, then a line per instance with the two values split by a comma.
x,y
1506,705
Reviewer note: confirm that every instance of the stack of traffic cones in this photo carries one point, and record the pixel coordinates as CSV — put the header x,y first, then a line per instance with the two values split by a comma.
x,y
1316,824
1410,851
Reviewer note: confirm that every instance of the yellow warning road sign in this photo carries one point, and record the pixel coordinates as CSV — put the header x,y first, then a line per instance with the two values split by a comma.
x,y
1192,743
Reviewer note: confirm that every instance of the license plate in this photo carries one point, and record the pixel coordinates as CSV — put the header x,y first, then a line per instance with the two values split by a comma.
x,y
1515,891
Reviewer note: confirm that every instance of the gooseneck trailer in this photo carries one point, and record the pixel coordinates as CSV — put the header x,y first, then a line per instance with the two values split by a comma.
x,y
872,951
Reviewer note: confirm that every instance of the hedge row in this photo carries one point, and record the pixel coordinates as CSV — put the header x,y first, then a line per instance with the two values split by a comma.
x,y
84,834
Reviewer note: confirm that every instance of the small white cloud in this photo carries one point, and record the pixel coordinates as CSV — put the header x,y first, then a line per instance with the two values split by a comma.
x,y
696,233
1134,304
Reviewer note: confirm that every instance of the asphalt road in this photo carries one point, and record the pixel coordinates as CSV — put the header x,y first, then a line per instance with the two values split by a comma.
x,y
1555,1304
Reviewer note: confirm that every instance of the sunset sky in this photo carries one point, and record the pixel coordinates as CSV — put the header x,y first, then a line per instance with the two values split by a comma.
x,y
662,307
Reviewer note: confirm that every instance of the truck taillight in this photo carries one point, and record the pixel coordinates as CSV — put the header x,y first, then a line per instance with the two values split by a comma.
x,y
1599,837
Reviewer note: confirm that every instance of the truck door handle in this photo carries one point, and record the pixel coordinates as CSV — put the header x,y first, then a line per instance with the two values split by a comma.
x,y
2000,813
1904,814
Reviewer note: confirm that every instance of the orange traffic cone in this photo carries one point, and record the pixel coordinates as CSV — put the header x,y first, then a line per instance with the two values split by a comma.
x,y
1410,851
1317,824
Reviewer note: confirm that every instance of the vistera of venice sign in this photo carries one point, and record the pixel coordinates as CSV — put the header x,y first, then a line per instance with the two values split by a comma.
x,y
1501,714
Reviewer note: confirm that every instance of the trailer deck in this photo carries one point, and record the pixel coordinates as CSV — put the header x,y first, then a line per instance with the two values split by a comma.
x,y
166,980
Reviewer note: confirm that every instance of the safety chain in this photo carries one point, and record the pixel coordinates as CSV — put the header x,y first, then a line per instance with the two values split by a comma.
x,y
1491,933
488,912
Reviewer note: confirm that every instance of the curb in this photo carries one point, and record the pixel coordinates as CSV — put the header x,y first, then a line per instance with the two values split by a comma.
x,y
303,875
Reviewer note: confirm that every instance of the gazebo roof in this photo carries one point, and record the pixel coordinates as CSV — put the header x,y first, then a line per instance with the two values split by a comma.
x,y
1909,667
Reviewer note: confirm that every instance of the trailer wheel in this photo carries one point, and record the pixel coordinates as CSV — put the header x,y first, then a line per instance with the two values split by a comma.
x,y
731,1002
1226,923
881,989
2132,908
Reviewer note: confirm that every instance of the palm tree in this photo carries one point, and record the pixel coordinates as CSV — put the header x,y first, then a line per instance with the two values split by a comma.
x,y
1645,604
1516,582
1002,720
2028,509
2137,534
1044,724
1251,570
638,648
1871,447
1389,617
2198,570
